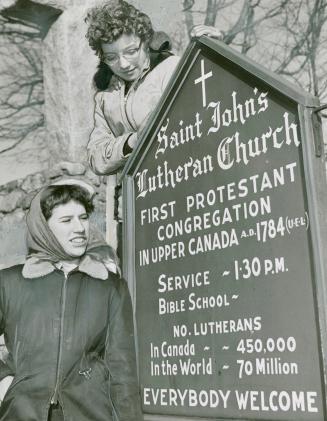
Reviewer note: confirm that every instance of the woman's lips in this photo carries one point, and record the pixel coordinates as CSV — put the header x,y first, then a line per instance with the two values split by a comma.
x,y
78,240
129,71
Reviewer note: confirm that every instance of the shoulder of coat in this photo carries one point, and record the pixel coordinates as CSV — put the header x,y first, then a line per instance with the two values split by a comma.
x,y
169,63
11,273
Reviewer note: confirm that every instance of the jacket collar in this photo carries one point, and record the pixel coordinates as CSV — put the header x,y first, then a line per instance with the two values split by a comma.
x,y
96,268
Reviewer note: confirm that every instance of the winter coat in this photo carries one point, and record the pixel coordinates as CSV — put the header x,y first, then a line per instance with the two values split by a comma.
x,y
70,340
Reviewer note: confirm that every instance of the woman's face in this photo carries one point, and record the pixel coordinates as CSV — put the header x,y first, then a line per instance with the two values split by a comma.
x,y
126,56
70,225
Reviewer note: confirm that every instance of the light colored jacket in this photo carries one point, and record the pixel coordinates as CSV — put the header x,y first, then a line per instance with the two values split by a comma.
x,y
118,116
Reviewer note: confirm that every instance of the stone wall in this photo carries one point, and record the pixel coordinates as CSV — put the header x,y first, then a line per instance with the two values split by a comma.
x,y
68,68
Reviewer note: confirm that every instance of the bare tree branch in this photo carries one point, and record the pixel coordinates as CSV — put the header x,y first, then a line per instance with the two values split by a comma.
x,y
21,86
188,4
212,9
287,36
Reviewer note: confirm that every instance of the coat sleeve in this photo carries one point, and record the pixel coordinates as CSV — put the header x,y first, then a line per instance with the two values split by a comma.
x,y
120,356
105,150
5,370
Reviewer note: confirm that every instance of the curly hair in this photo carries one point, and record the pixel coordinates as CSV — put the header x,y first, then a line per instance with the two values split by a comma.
x,y
60,195
113,19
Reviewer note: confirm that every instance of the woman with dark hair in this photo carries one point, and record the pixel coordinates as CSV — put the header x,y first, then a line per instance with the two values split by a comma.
x,y
135,67
67,319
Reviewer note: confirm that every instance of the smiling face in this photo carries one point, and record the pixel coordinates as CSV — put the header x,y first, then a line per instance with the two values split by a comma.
x,y
126,56
69,223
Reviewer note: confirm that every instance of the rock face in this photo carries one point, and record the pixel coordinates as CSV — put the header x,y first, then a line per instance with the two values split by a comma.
x,y
11,201
33,183
71,168
68,66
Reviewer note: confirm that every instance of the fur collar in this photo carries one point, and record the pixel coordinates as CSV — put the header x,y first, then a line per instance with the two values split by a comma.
x,y
94,264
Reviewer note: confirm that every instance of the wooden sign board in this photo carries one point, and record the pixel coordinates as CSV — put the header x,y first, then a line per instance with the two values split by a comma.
x,y
223,246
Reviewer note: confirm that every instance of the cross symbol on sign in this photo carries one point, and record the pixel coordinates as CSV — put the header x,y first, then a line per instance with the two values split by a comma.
x,y
202,79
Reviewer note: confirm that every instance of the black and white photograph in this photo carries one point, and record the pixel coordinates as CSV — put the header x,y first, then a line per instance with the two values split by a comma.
x,y
163,210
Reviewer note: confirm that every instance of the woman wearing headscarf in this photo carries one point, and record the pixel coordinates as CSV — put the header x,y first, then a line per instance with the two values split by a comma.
x,y
67,319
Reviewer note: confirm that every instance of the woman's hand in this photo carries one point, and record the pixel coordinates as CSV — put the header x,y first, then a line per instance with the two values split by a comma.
x,y
210,31
132,140
4,386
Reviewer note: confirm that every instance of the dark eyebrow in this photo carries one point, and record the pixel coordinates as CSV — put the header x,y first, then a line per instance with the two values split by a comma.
x,y
66,216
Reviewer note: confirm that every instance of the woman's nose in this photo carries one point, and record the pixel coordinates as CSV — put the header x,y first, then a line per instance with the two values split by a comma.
x,y
123,63
78,226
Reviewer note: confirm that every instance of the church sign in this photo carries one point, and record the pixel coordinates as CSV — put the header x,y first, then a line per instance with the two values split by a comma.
x,y
223,246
